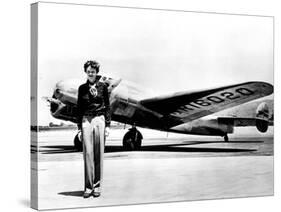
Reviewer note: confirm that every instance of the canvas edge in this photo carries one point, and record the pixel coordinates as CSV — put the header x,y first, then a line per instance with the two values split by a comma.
x,y
34,104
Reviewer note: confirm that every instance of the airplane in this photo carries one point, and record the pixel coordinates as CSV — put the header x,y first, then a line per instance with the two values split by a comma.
x,y
212,112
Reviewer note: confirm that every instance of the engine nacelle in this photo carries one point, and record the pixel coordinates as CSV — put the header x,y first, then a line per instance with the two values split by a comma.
x,y
262,115
205,127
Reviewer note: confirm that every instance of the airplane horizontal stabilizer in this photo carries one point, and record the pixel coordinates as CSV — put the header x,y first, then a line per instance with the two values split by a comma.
x,y
260,123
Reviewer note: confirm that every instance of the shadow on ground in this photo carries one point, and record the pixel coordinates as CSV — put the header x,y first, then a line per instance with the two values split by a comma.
x,y
175,148
57,149
72,193
182,147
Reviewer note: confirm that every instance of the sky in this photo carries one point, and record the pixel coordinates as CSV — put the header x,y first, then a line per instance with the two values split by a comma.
x,y
165,51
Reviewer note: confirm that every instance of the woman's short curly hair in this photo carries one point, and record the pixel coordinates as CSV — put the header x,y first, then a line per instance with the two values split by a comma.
x,y
92,63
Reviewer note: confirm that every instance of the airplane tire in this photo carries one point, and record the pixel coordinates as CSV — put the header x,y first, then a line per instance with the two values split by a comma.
x,y
132,140
78,143
225,138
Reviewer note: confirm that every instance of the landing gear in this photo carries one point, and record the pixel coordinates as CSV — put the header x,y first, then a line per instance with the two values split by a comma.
x,y
225,137
78,142
132,139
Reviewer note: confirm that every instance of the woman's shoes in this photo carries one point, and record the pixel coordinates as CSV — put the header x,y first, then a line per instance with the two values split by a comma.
x,y
87,194
94,193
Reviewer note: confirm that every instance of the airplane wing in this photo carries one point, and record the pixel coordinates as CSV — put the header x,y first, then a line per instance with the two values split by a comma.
x,y
188,106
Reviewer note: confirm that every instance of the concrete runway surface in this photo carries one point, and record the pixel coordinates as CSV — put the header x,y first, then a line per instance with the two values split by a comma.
x,y
169,167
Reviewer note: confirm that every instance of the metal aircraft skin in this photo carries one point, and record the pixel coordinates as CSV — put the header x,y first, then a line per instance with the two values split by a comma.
x,y
207,112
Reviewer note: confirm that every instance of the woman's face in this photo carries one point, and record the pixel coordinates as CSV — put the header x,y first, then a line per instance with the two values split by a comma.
x,y
91,73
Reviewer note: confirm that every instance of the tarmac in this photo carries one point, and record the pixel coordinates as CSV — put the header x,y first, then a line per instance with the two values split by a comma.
x,y
166,169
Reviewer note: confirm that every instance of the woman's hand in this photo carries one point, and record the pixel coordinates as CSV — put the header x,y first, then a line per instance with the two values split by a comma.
x,y
106,131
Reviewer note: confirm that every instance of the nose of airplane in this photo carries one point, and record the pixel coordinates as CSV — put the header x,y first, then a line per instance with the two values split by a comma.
x,y
66,90
59,88
62,87
54,105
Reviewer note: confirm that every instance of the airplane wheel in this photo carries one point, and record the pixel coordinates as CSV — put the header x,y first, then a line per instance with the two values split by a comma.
x,y
78,142
132,140
225,138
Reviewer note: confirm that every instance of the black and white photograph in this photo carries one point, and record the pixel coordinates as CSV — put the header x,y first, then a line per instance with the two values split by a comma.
x,y
133,105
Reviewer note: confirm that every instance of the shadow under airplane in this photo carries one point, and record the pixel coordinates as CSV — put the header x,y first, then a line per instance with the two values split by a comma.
x,y
57,149
181,147
177,148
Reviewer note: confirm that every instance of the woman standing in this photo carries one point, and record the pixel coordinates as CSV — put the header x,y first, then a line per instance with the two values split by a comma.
x,y
93,119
